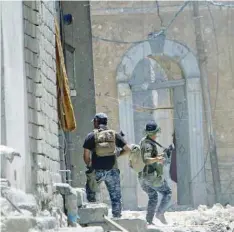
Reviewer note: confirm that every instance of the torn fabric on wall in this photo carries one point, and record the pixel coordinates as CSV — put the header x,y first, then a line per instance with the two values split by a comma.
x,y
65,108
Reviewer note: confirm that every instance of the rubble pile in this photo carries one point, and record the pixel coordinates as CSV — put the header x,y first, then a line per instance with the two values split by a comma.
x,y
216,218
20,212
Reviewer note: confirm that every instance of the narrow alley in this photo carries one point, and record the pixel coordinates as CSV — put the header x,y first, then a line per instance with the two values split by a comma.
x,y
117,116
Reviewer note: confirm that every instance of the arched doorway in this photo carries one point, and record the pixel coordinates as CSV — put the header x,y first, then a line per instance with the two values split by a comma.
x,y
187,101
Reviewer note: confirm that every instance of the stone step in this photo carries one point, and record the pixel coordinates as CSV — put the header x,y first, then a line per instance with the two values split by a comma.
x,y
92,213
131,225
82,229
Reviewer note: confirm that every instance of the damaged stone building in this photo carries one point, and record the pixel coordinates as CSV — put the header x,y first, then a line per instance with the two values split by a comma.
x,y
126,66
32,38
117,63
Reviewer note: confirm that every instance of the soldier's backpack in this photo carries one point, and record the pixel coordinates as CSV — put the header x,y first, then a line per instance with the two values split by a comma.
x,y
105,142
135,158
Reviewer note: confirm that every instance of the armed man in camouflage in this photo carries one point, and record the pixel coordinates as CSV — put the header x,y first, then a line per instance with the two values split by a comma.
x,y
151,178
102,164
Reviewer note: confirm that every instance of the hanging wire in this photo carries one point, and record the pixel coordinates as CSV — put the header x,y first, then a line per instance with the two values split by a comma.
x,y
219,4
158,12
162,31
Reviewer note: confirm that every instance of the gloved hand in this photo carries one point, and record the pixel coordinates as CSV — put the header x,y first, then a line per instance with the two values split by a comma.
x,y
89,169
168,151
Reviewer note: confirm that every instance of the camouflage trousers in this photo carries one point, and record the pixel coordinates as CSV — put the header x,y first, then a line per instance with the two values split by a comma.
x,y
152,193
112,181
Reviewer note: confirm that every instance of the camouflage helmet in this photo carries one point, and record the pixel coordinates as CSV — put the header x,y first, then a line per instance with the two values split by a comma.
x,y
152,128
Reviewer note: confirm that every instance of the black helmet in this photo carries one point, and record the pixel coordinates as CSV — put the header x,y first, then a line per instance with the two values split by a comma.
x,y
152,128
101,118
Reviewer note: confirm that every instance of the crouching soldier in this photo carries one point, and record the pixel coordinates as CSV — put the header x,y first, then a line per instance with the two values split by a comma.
x,y
151,178
102,164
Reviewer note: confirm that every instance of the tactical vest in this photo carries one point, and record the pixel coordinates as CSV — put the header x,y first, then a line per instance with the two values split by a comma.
x,y
155,167
105,142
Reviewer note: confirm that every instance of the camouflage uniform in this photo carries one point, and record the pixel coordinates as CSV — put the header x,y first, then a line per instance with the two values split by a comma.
x,y
112,181
160,185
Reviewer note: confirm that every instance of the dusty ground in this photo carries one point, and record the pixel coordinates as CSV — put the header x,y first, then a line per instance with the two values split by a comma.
x,y
203,219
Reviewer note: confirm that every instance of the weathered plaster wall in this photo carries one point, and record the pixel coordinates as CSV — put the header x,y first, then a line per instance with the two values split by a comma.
x,y
114,24
40,70
14,132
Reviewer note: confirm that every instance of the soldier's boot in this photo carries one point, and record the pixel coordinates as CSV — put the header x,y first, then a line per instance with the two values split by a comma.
x,y
161,217
118,215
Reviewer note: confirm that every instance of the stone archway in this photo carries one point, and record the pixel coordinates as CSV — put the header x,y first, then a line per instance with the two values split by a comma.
x,y
193,178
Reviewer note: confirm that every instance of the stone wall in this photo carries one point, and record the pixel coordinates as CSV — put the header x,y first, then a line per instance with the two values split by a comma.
x,y
132,21
40,69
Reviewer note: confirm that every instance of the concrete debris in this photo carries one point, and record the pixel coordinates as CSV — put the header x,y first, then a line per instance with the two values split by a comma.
x,y
203,219
4,183
62,188
18,223
6,207
60,217
46,223
81,196
22,200
71,206
9,153
92,213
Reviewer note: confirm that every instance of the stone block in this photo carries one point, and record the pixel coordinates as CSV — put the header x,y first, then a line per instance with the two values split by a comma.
x,y
18,223
49,47
28,56
56,177
46,223
131,225
28,3
30,29
39,90
40,176
22,200
50,5
71,207
93,229
31,101
52,75
31,43
38,104
6,207
62,188
81,196
92,213
81,229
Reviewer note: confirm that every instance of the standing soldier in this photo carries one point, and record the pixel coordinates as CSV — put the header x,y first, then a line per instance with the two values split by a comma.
x,y
151,178
102,164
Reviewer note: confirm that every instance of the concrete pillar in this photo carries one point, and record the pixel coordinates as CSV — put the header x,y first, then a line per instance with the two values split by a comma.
x,y
79,64
128,177
196,141
16,107
1,77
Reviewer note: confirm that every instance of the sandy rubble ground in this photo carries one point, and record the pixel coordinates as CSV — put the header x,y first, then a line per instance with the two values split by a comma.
x,y
203,219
